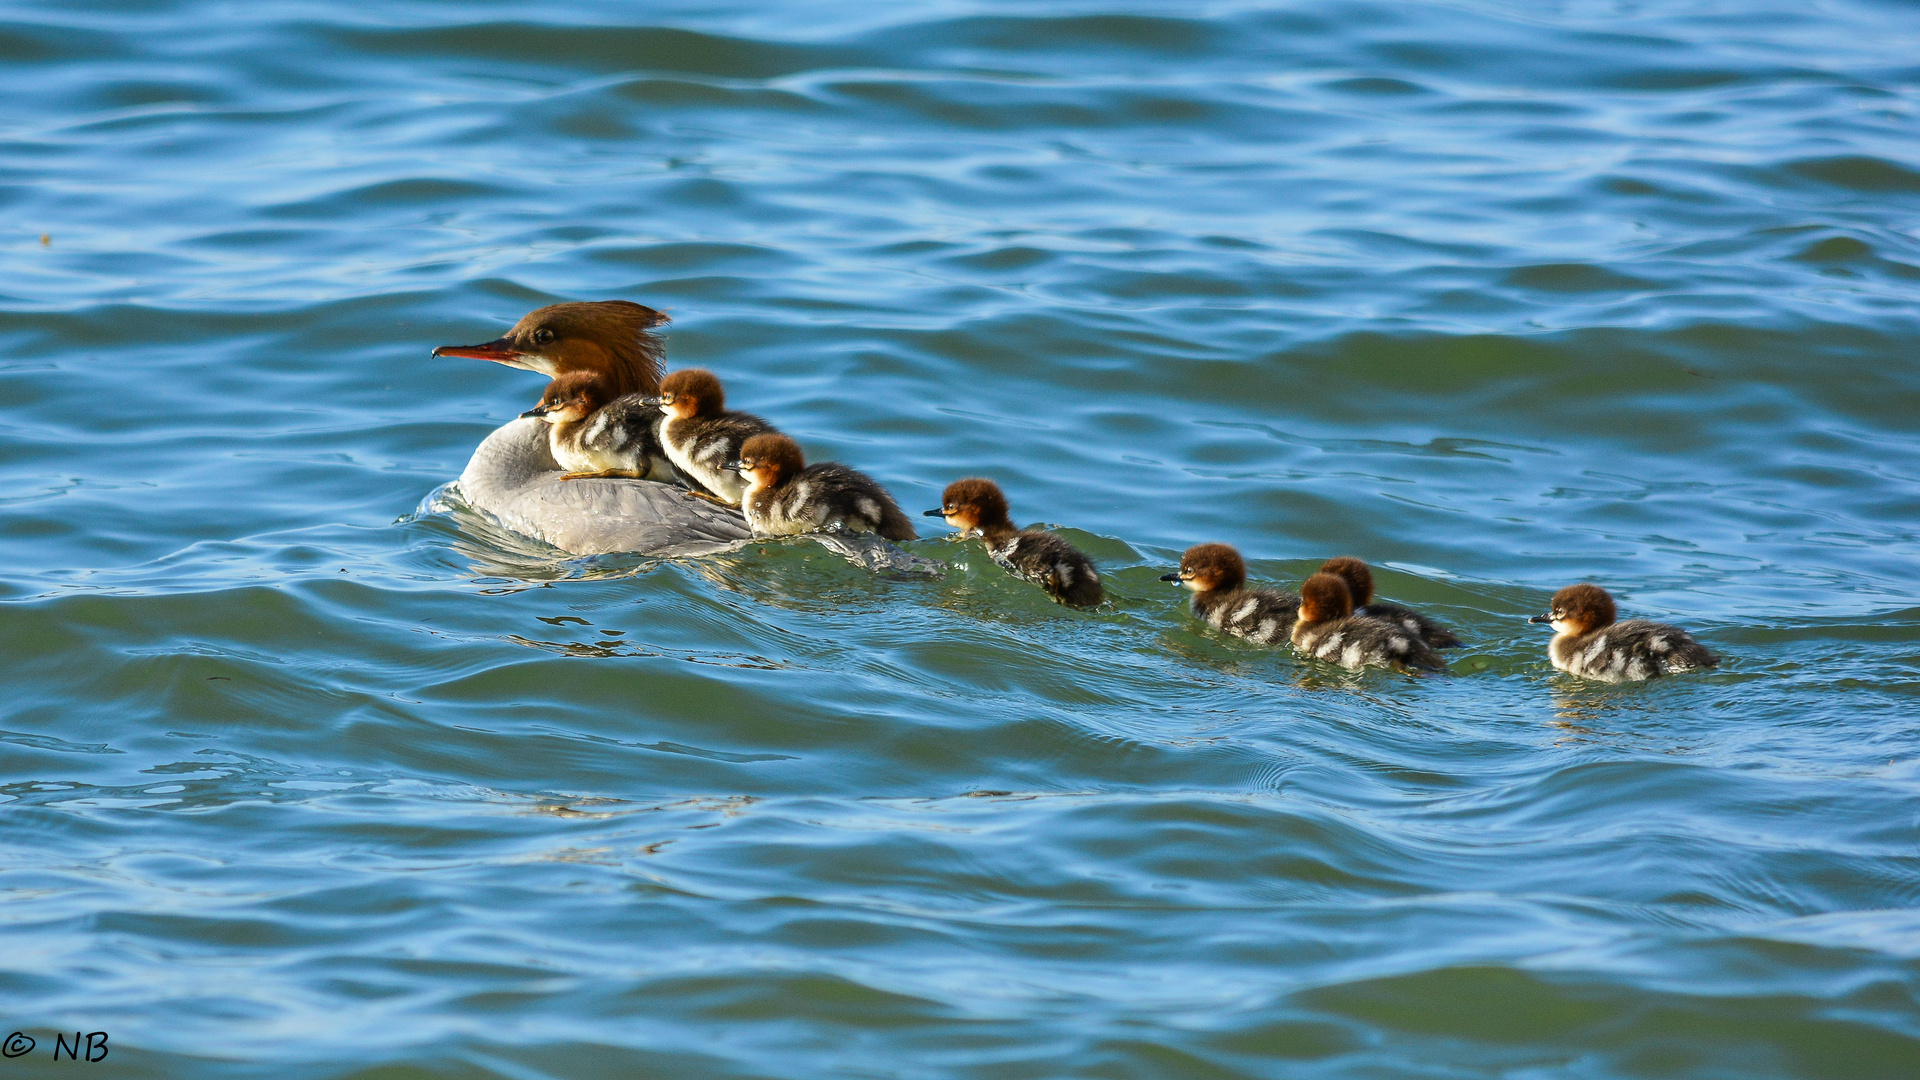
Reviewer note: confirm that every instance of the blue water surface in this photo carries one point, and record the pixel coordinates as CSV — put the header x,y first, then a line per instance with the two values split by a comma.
x,y
307,775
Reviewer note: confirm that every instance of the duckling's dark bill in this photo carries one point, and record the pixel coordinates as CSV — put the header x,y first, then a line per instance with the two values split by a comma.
x,y
1175,576
1547,618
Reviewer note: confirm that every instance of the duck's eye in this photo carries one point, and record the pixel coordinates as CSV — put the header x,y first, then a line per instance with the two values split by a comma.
x,y
542,336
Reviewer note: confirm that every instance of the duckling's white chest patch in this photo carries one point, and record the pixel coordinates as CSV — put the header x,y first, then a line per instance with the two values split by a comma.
x,y
569,450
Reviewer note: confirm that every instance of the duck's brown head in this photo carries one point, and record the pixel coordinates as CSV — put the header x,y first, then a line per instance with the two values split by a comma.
x,y
1323,597
612,337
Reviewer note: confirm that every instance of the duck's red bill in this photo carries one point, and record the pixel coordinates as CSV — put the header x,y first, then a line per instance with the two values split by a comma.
x,y
498,351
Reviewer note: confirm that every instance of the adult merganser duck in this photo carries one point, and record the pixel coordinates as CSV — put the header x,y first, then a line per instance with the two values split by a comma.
x,y
977,505
700,435
1587,642
514,476
1218,575
595,436
1359,581
787,497
1327,629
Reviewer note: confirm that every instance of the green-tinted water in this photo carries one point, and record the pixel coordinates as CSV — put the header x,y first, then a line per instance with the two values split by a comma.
x,y
303,782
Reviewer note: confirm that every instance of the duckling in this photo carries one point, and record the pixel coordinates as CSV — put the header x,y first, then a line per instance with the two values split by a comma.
x,y
594,434
1587,642
700,436
977,505
1218,575
1329,630
1359,581
786,497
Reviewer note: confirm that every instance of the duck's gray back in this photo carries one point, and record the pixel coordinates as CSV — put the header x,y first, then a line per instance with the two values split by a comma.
x,y
512,475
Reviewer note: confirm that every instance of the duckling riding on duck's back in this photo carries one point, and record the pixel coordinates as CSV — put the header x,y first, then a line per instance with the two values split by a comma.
x,y
700,435
593,435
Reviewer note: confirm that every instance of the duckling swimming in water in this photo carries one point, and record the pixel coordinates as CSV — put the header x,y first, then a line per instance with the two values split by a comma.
x,y
977,505
700,435
1587,642
1359,581
1329,630
787,497
1218,575
594,434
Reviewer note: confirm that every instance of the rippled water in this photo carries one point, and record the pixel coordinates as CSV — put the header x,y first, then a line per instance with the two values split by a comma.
x,y
302,782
